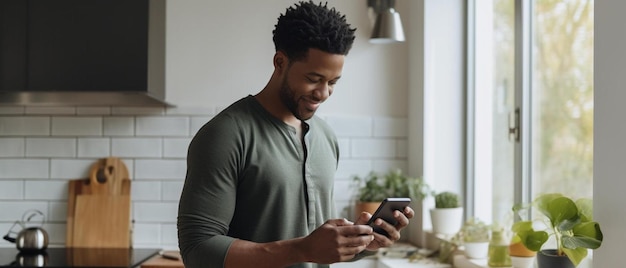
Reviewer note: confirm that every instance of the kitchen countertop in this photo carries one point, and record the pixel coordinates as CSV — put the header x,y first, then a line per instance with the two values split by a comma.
x,y
76,257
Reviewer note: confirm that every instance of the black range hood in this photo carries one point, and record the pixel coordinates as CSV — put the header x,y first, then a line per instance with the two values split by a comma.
x,y
82,53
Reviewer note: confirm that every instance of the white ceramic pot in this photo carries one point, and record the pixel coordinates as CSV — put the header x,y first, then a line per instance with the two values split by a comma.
x,y
447,221
522,262
476,250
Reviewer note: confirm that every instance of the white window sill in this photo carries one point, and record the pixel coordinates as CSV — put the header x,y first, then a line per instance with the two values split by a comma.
x,y
394,257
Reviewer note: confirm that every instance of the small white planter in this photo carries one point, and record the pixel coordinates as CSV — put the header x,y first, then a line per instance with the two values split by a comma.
x,y
476,250
522,262
447,221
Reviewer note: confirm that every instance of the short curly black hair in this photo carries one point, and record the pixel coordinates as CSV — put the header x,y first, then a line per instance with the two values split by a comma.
x,y
308,25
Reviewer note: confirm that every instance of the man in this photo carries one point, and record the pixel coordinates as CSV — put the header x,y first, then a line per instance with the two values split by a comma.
x,y
259,185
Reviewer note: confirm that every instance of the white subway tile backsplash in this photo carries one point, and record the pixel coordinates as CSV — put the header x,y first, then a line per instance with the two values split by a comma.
x,y
38,154
94,147
136,147
169,234
147,233
197,122
193,111
353,167
146,190
162,126
14,210
70,169
119,126
402,148
103,110
137,110
385,165
13,110
56,233
24,168
50,147
164,212
172,190
45,190
374,148
11,190
76,126
12,147
160,169
50,110
390,127
344,148
175,147
58,212
24,126
350,126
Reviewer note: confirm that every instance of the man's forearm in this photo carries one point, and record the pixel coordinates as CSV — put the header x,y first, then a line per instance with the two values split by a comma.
x,y
274,254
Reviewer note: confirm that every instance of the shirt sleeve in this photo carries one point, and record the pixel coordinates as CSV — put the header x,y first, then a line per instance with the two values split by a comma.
x,y
208,198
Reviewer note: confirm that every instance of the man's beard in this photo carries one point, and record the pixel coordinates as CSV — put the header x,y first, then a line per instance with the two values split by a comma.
x,y
289,99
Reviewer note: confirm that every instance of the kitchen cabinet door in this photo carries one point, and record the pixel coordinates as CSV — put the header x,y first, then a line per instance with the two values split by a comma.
x,y
12,45
95,45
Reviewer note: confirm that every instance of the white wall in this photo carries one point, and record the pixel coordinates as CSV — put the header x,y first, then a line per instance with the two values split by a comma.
x,y
218,51
609,130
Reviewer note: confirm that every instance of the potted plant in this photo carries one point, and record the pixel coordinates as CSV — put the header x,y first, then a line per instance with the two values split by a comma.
x,y
447,216
570,222
521,256
474,236
374,188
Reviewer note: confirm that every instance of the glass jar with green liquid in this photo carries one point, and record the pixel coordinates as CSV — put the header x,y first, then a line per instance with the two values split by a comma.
x,y
499,250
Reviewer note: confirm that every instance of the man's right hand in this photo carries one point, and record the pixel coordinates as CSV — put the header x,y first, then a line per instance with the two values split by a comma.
x,y
335,241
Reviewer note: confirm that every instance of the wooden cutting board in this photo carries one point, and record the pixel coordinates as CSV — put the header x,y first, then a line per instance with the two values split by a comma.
x,y
161,262
99,207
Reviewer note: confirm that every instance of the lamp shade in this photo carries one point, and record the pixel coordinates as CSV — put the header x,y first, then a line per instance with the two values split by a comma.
x,y
387,27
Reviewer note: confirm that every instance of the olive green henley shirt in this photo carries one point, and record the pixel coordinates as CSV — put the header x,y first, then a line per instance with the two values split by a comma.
x,y
250,177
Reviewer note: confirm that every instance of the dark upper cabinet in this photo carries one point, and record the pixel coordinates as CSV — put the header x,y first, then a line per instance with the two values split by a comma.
x,y
87,45
75,46
13,45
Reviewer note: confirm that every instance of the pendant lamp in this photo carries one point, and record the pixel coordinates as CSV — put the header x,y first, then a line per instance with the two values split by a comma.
x,y
388,26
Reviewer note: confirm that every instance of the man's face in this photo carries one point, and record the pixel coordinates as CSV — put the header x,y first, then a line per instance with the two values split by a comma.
x,y
309,82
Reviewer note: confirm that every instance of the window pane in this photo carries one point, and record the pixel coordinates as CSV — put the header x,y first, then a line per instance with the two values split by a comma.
x,y
504,103
493,106
562,97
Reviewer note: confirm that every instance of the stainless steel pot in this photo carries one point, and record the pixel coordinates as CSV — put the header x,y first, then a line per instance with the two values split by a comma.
x,y
29,238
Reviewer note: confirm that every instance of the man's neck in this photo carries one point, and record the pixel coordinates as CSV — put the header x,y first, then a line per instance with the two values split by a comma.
x,y
275,107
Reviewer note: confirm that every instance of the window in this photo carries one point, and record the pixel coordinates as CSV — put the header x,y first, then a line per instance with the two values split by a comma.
x,y
530,102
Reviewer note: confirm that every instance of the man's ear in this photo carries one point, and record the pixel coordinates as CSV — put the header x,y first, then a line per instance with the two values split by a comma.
x,y
280,61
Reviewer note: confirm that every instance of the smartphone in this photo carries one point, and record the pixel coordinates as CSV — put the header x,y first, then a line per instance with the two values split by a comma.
x,y
385,212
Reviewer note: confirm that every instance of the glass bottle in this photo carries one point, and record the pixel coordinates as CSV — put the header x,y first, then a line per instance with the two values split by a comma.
x,y
498,250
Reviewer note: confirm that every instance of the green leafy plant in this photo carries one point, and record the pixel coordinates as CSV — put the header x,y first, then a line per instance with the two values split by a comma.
x,y
447,200
516,247
570,222
376,187
474,230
